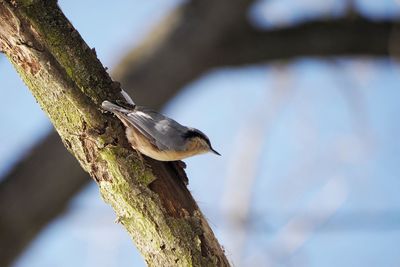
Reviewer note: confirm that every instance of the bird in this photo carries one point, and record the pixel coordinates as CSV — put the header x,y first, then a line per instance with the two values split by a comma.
x,y
156,135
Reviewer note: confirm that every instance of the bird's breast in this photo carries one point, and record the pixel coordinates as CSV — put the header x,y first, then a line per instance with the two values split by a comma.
x,y
139,142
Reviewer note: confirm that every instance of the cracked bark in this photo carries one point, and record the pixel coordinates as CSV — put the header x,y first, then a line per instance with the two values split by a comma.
x,y
69,83
195,36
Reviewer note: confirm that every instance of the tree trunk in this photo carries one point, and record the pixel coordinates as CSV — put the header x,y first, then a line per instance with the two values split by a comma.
x,y
69,83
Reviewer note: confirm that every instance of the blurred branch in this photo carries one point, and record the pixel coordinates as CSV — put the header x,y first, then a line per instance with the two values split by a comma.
x,y
249,145
196,37
190,50
69,83
184,46
340,37
36,191
343,221
293,234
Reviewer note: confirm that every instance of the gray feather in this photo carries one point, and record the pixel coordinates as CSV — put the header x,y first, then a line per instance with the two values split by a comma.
x,y
166,133
161,131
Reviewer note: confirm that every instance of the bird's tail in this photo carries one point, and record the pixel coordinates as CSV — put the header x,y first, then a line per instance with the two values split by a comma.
x,y
114,108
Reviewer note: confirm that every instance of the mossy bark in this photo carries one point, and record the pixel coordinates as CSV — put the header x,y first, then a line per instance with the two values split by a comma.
x,y
69,83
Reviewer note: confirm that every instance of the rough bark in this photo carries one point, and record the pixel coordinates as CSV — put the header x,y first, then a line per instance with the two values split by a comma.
x,y
197,38
69,83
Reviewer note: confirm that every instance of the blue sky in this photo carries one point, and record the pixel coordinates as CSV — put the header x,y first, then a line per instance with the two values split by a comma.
x,y
310,138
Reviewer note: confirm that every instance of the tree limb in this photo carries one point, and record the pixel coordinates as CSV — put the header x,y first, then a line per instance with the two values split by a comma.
x,y
181,49
181,57
38,190
324,38
69,83
195,39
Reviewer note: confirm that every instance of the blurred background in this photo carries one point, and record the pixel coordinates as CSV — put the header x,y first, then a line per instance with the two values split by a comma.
x,y
301,98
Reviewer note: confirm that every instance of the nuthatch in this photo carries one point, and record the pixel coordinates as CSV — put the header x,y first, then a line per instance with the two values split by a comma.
x,y
156,135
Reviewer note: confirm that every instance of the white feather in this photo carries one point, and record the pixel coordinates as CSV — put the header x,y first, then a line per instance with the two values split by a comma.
x,y
143,114
127,97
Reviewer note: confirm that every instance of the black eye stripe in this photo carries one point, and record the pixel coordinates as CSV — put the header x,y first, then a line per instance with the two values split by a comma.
x,y
196,133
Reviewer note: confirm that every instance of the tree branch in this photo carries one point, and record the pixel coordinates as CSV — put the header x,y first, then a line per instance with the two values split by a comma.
x,y
195,39
181,57
39,189
181,49
339,37
69,83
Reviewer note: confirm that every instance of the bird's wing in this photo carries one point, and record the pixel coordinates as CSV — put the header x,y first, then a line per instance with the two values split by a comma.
x,y
163,132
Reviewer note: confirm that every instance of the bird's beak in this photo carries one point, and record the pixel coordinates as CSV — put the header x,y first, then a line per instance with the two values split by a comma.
x,y
215,152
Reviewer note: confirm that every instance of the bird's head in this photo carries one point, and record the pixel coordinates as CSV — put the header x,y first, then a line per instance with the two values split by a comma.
x,y
198,141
